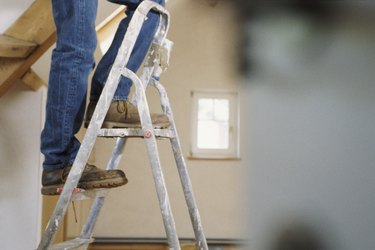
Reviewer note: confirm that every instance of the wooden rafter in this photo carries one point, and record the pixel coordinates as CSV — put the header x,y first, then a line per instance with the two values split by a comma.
x,y
29,38
12,69
32,80
12,47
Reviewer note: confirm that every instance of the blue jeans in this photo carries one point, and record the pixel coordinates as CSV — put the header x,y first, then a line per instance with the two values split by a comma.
x,y
71,63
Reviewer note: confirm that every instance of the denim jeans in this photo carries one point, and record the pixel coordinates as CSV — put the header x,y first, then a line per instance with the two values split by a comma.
x,y
71,63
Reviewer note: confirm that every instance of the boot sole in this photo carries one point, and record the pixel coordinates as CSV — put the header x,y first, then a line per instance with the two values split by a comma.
x,y
107,183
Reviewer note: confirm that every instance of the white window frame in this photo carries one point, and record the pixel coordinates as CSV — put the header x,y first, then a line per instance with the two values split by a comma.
x,y
232,152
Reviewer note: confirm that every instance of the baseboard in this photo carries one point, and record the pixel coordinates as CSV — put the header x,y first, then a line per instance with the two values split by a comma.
x,y
161,244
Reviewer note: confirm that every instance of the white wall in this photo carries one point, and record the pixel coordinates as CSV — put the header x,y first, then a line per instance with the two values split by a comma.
x,y
10,10
312,140
20,124
20,121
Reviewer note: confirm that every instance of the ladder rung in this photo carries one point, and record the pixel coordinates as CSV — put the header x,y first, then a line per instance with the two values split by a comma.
x,y
134,132
90,194
71,244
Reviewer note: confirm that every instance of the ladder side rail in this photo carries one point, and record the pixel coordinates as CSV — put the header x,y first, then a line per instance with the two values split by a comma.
x,y
103,104
99,201
157,172
182,169
116,154
159,38
135,25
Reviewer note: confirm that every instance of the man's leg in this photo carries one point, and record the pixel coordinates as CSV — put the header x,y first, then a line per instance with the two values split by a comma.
x,y
139,52
115,116
72,61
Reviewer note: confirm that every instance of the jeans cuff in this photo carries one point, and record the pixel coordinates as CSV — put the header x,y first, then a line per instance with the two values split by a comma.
x,y
54,166
70,163
120,98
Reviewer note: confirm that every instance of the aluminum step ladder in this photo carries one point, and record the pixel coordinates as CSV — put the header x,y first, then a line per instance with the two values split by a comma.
x,y
155,63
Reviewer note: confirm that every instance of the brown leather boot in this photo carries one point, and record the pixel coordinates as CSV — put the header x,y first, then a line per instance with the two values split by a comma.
x,y
123,114
92,177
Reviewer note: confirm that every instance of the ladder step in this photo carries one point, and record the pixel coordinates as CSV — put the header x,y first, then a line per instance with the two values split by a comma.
x,y
134,132
72,244
82,194
90,194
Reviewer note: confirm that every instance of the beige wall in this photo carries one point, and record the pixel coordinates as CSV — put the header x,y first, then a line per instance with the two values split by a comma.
x,y
204,58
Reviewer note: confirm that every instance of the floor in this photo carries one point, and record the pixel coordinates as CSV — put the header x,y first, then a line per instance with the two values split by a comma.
x,y
158,246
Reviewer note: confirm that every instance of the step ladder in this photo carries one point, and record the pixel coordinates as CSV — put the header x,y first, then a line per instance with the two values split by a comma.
x,y
155,63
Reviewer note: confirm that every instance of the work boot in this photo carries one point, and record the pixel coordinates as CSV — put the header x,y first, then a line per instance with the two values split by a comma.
x,y
92,177
123,114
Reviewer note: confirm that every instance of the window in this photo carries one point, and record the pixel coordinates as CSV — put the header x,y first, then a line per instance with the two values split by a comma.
x,y
214,125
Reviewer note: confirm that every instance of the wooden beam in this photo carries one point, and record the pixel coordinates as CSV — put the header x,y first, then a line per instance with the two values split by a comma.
x,y
212,3
12,47
7,67
12,69
32,80
35,24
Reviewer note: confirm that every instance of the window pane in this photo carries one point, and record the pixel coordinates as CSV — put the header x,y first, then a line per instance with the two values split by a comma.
x,y
213,135
221,112
205,109
214,124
